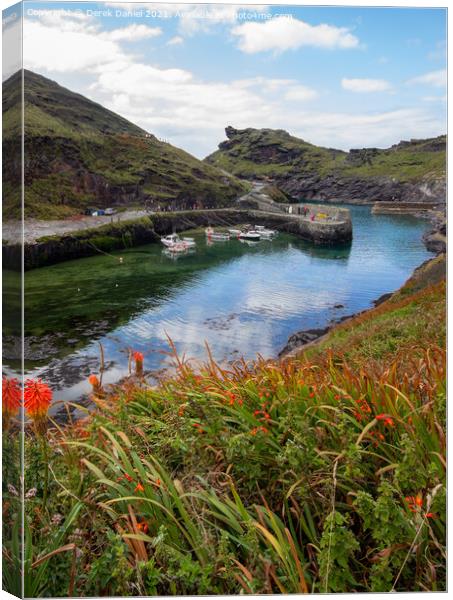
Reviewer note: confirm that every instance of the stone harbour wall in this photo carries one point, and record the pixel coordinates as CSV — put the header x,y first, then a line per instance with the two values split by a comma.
x,y
126,234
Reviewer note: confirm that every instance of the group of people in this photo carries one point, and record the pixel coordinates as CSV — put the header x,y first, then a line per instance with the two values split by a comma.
x,y
306,212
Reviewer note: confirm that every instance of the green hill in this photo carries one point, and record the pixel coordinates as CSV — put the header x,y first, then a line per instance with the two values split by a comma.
x,y
79,154
409,171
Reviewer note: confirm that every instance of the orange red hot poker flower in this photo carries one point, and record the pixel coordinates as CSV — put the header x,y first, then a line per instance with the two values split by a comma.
x,y
37,398
386,420
11,400
93,380
138,358
95,383
415,504
11,396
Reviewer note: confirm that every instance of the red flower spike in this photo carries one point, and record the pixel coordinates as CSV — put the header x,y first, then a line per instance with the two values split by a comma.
x,y
386,419
37,398
11,397
138,358
139,488
143,526
95,383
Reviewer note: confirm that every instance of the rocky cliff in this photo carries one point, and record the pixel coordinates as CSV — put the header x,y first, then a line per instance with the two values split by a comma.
x,y
411,171
78,154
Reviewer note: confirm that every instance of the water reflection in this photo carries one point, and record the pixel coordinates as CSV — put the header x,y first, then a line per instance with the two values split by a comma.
x,y
241,299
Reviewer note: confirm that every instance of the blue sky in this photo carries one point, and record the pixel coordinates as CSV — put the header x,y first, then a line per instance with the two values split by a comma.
x,y
336,76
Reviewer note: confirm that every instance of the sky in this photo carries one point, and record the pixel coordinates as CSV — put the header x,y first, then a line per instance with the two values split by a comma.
x,y
341,77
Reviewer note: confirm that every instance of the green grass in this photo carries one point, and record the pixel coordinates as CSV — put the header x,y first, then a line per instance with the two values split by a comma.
x,y
379,333
77,151
321,473
275,153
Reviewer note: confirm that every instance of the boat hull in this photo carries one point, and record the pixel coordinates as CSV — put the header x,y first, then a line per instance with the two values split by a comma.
x,y
250,237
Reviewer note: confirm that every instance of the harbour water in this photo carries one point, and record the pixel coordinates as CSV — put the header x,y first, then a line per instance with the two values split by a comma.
x,y
239,299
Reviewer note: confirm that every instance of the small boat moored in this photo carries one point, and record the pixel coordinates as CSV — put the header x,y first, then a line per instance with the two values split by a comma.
x,y
264,232
216,236
250,235
173,240
177,251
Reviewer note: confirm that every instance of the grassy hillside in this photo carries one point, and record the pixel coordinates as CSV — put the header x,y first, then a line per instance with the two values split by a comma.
x,y
274,152
322,473
79,154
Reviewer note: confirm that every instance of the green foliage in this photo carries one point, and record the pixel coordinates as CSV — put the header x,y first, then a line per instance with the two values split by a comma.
x,y
76,149
384,516
275,153
338,547
297,476
109,574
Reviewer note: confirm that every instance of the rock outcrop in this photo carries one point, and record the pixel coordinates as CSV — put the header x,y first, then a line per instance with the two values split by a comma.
x,y
301,339
411,171
436,239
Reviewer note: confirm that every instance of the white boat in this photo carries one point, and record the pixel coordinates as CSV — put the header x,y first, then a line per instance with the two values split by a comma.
x,y
264,232
251,236
189,242
173,240
235,232
216,236
177,251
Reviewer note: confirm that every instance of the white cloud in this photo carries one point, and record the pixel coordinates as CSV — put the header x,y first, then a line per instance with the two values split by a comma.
x,y
263,83
80,42
290,89
191,112
434,98
195,18
132,33
434,78
77,50
177,40
11,44
380,129
67,20
300,93
282,34
365,85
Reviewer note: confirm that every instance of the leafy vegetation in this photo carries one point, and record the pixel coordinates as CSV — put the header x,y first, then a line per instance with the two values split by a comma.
x,y
79,154
320,473
276,154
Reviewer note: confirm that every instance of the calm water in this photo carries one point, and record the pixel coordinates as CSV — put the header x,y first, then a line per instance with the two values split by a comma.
x,y
241,300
